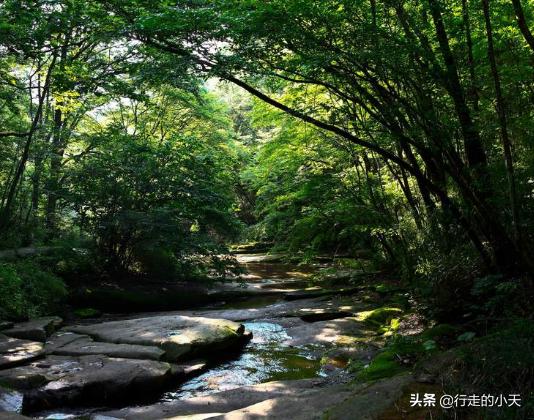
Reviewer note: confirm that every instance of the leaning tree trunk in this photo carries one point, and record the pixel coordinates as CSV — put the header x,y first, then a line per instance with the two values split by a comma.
x,y
522,23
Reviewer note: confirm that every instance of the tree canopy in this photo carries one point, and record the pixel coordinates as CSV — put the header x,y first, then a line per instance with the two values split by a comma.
x,y
398,126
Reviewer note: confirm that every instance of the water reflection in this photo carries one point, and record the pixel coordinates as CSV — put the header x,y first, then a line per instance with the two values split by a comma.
x,y
266,358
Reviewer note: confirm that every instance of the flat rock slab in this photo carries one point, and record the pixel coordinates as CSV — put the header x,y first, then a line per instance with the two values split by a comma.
x,y
14,351
72,344
297,308
322,315
318,292
302,399
181,337
276,310
326,332
36,329
362,402
255,258
62,381
220,402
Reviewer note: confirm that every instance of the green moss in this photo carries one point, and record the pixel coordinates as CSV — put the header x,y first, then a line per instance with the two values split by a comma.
x,y
379,315
382,320
383,366
387,288
389,361
87,313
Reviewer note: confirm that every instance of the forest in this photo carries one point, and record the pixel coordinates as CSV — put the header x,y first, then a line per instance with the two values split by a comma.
x,y
341,190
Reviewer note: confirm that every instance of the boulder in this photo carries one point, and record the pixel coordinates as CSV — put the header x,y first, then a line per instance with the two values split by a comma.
x,y
181,337
62,381
36,329
14,351
72,344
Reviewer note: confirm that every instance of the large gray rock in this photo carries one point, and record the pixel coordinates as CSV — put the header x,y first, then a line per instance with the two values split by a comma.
x,y
181,337
59,380
14,351
72,344
36,329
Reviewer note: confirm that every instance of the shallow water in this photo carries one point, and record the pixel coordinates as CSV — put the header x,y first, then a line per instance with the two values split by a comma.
x,y
266,358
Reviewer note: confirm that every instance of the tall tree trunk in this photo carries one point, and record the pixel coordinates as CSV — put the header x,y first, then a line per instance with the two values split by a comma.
x,y
476,156
10,198
55,168
501,112
473,90
58,150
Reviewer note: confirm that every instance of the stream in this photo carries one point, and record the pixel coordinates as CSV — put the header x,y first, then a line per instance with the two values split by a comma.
x,y
267,357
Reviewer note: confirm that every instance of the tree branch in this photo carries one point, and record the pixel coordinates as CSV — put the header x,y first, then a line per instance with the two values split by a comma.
x,y
13,134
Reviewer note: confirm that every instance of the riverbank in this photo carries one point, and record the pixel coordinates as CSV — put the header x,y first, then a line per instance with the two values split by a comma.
x,y
348,343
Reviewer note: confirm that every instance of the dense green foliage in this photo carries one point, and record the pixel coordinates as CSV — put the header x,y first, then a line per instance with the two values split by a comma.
x,y
100,152
139,138
399,127
26,290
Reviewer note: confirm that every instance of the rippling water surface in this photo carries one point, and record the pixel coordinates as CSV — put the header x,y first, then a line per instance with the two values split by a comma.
x,y
266,358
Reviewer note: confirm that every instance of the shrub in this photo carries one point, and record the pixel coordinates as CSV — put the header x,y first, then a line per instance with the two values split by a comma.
x,y
27,290
500,363
11,293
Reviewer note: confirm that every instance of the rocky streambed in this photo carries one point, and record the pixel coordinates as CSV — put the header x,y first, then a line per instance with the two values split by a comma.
x,y
279,348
